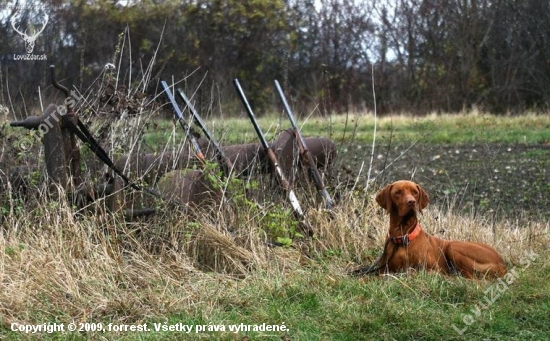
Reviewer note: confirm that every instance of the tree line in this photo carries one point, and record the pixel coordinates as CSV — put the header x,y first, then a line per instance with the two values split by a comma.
x,y
419,56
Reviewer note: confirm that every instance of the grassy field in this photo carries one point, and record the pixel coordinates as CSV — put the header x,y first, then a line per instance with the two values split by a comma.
x,y
215,272
459,128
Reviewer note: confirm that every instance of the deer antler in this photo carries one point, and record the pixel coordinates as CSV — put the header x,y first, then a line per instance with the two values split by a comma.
x,y
42,29
12,20
29,40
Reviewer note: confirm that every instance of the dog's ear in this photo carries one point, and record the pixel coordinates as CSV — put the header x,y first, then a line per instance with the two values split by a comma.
x,y
423,198
383,198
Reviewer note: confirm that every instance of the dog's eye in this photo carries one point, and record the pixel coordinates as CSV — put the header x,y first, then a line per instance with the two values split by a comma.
x,y
398,192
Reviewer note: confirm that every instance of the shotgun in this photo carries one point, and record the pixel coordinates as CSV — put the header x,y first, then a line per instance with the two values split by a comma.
x,y
198,152
224,162
304,151
184,125
273,160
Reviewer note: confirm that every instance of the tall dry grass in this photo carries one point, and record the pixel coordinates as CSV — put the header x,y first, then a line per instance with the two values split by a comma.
x,y
55,265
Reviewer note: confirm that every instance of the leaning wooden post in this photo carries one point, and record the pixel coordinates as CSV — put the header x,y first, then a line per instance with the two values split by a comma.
x,y
48,128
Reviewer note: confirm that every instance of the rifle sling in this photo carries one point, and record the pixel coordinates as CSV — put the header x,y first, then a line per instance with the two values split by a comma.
x,y
82,132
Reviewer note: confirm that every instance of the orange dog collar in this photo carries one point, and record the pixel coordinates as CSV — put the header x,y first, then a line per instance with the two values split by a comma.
x,y
408,238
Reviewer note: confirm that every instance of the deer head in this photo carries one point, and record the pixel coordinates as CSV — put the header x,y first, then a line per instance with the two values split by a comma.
x,y
29,40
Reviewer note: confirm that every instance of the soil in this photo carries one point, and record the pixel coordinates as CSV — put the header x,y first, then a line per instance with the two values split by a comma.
x,y
510,181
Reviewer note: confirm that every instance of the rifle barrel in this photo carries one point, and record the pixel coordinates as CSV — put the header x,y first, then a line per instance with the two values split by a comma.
x,y
270,154
194,142
31,122
206,131
185,126
289,114
251,114
313,171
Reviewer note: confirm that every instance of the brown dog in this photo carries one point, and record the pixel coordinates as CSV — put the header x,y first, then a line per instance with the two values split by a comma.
x,y
408,246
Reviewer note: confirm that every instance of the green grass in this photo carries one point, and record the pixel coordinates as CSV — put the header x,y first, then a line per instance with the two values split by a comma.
x,y
424,306
314,304
459,128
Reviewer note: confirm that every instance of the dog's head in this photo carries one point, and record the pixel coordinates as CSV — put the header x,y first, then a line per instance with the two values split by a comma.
x,y
402,196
